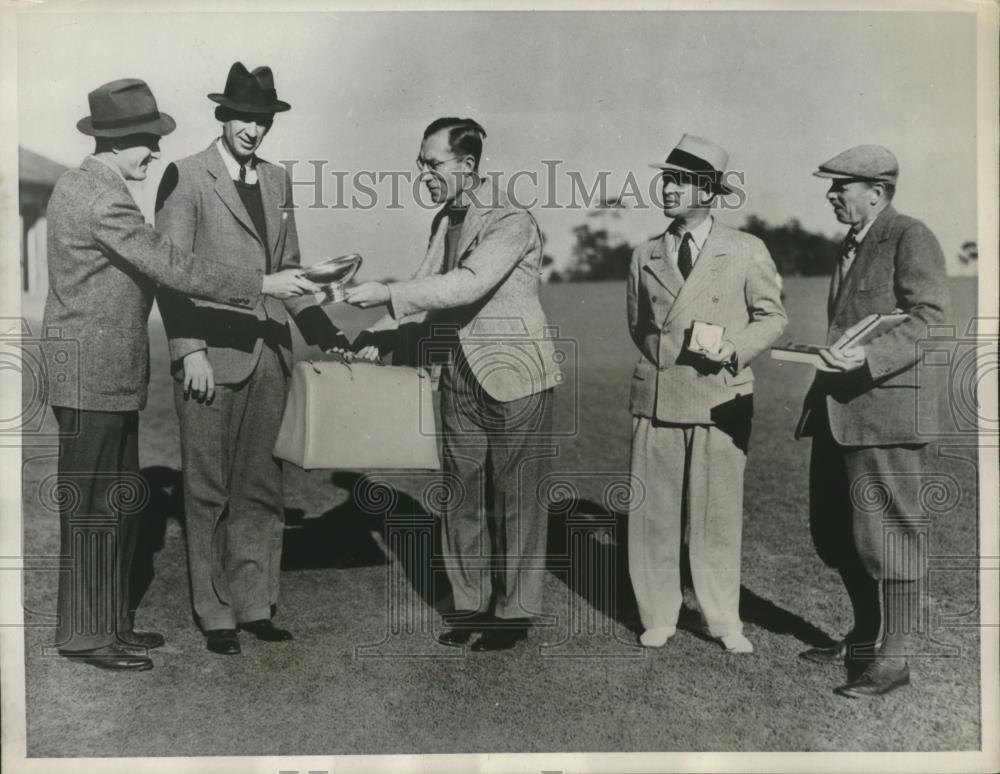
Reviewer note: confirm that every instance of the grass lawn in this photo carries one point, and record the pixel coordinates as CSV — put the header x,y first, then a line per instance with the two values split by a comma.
x,y
363,675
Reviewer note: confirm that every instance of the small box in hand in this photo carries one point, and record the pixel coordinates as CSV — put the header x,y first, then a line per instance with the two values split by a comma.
x,y
706,338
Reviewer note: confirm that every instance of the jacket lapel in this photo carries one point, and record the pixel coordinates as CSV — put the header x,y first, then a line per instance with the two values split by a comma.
x,y
479,204
710,260
662,269
867,251
271,194
226,190
434,258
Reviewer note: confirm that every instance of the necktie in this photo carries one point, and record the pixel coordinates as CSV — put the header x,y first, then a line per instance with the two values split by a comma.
x,y
684,262
243,173
847,253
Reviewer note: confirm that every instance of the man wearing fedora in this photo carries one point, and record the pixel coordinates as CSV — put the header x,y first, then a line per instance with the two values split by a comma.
x,y
231,365
104,261
703,301
862,414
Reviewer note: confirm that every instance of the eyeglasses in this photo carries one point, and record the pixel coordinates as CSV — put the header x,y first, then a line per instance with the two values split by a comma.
x,y
432,165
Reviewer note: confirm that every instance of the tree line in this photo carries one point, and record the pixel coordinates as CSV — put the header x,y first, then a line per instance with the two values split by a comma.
x,y
601,254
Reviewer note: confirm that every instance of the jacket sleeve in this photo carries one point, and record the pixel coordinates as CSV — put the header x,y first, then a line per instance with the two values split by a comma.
x,y
502,246
922,292
176,218
632,297
768,319
118,227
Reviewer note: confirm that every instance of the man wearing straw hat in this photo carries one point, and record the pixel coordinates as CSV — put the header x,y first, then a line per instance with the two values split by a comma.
x,y
231,366
104,261
703,302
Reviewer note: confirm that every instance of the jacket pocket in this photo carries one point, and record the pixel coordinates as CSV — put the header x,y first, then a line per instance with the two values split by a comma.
x,y
115,360
642,389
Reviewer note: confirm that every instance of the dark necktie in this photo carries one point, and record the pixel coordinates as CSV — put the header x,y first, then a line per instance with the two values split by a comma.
x,y
847,254
243,173
684,262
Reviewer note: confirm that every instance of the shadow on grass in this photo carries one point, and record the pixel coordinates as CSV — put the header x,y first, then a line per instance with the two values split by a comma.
x,y
592,542
587,551
344,536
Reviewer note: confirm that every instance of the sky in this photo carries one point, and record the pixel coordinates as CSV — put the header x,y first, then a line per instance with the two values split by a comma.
x,y
578,92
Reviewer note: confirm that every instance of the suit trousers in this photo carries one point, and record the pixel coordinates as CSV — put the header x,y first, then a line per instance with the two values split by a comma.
x,y
101,496
691,495
864,505
234,514
494,527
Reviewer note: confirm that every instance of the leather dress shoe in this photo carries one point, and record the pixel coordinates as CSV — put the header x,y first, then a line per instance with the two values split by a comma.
x,y
462,626
111,657
832,654
222,641
147,640
877,679
850,651
265,630
503,636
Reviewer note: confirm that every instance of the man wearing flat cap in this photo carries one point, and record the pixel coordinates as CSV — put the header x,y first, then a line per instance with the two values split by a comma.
x,y
104,261
703,302
862,414
231,366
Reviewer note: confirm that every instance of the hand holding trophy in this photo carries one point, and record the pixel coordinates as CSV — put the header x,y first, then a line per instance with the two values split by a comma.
x,y
332,275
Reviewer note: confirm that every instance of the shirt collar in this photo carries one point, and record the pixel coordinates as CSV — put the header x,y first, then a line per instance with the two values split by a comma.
x,y
233,166
698,234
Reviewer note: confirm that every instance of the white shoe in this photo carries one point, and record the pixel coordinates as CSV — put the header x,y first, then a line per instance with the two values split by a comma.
x,y
737,643
657,638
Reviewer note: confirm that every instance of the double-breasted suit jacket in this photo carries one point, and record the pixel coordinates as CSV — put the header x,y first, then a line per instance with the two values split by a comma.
x,y
733,284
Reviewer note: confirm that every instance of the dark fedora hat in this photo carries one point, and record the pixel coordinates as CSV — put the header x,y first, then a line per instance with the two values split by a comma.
x,y
250,92
700,158
124,107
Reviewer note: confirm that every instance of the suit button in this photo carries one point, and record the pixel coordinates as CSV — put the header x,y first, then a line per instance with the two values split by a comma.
x,y
654,299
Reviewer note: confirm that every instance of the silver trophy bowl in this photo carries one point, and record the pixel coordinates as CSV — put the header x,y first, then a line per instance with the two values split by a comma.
x,y
332,275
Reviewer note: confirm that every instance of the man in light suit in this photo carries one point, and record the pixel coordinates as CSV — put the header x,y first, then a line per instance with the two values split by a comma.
x,y
862,413
478,286
692,405
231,367
104,261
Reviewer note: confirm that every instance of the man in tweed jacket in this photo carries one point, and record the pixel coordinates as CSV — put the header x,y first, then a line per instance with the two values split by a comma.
x,y
478,287
862,414
692,408
104,261
231,366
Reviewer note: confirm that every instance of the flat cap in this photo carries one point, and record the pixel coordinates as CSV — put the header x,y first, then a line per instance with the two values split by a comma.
x,y
862,162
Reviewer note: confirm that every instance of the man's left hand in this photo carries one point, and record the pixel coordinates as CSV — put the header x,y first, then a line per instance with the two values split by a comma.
x,y
368,294
723,354
844,360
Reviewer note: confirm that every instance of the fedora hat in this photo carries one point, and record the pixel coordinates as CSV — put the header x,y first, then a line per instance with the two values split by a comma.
x,y
124,107
699,157
250,92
